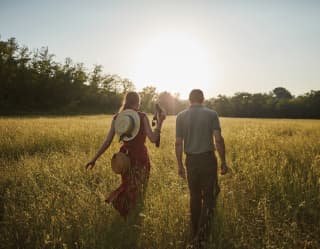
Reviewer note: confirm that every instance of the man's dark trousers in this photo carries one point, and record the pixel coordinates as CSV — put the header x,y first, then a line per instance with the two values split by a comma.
x,y
203,186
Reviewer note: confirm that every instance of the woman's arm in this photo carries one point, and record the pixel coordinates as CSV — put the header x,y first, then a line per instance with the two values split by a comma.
x,y
104,146
152,135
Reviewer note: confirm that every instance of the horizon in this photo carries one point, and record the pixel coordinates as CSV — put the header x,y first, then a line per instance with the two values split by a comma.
x,y
177,46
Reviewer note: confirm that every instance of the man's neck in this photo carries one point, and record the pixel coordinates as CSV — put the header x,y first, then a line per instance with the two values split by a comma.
x,y
195,104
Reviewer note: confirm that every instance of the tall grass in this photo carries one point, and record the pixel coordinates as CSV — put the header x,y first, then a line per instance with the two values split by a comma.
x,y
270,198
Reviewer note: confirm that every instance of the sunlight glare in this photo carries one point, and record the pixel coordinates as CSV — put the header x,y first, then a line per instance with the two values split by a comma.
x,y
174,62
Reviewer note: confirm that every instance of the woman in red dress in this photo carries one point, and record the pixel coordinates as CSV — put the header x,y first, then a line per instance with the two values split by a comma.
x,y
134,182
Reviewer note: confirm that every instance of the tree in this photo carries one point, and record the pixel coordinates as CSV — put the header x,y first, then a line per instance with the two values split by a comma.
x,y
167,101
148,97
127,86
282,93
221,104
107,83
96,78
32,82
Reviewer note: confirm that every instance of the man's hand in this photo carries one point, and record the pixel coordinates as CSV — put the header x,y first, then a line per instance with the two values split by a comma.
x,y
90,164
182,172
224,168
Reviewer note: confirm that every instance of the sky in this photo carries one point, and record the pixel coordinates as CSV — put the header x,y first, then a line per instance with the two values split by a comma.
x,y
219,46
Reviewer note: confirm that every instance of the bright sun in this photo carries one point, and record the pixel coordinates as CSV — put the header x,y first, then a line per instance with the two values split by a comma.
x,y
174,62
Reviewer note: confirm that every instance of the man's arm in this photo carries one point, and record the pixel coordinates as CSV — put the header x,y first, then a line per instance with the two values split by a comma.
x,y
179,151
219,142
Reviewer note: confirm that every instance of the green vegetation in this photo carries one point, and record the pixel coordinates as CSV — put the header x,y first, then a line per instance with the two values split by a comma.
x,y
33,83
270,199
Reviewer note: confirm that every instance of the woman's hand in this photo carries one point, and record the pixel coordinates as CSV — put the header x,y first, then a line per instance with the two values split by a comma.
x,y
90,164
161,116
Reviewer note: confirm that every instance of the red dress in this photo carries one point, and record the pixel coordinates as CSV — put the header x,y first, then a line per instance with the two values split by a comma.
x,y
134,182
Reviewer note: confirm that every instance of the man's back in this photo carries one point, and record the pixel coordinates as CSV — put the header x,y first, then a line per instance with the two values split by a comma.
x,y
195,125
196,128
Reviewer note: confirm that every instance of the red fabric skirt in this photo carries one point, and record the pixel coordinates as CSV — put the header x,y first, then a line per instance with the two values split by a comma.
x,y
133,182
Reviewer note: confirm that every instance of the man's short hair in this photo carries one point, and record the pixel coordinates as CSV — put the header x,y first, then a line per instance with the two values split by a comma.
x,y
196,96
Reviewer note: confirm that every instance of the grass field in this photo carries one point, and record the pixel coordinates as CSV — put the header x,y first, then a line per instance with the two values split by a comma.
x,y
269,199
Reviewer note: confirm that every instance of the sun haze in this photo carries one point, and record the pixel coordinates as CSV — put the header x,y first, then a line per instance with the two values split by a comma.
x,y
174,61
222,47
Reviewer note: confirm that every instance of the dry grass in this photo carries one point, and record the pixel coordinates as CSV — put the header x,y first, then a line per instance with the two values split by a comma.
x,y
271,199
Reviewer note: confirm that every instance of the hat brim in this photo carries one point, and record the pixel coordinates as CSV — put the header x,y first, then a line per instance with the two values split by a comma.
x,y
136,118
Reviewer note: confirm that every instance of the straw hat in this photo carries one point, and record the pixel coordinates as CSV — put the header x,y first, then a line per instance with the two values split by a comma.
x,y
120,163
127,124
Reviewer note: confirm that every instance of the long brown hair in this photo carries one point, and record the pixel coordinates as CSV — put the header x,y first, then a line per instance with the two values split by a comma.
x,y
131,99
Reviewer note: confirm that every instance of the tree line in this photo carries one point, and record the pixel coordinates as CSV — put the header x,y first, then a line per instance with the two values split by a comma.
x,y
32,82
